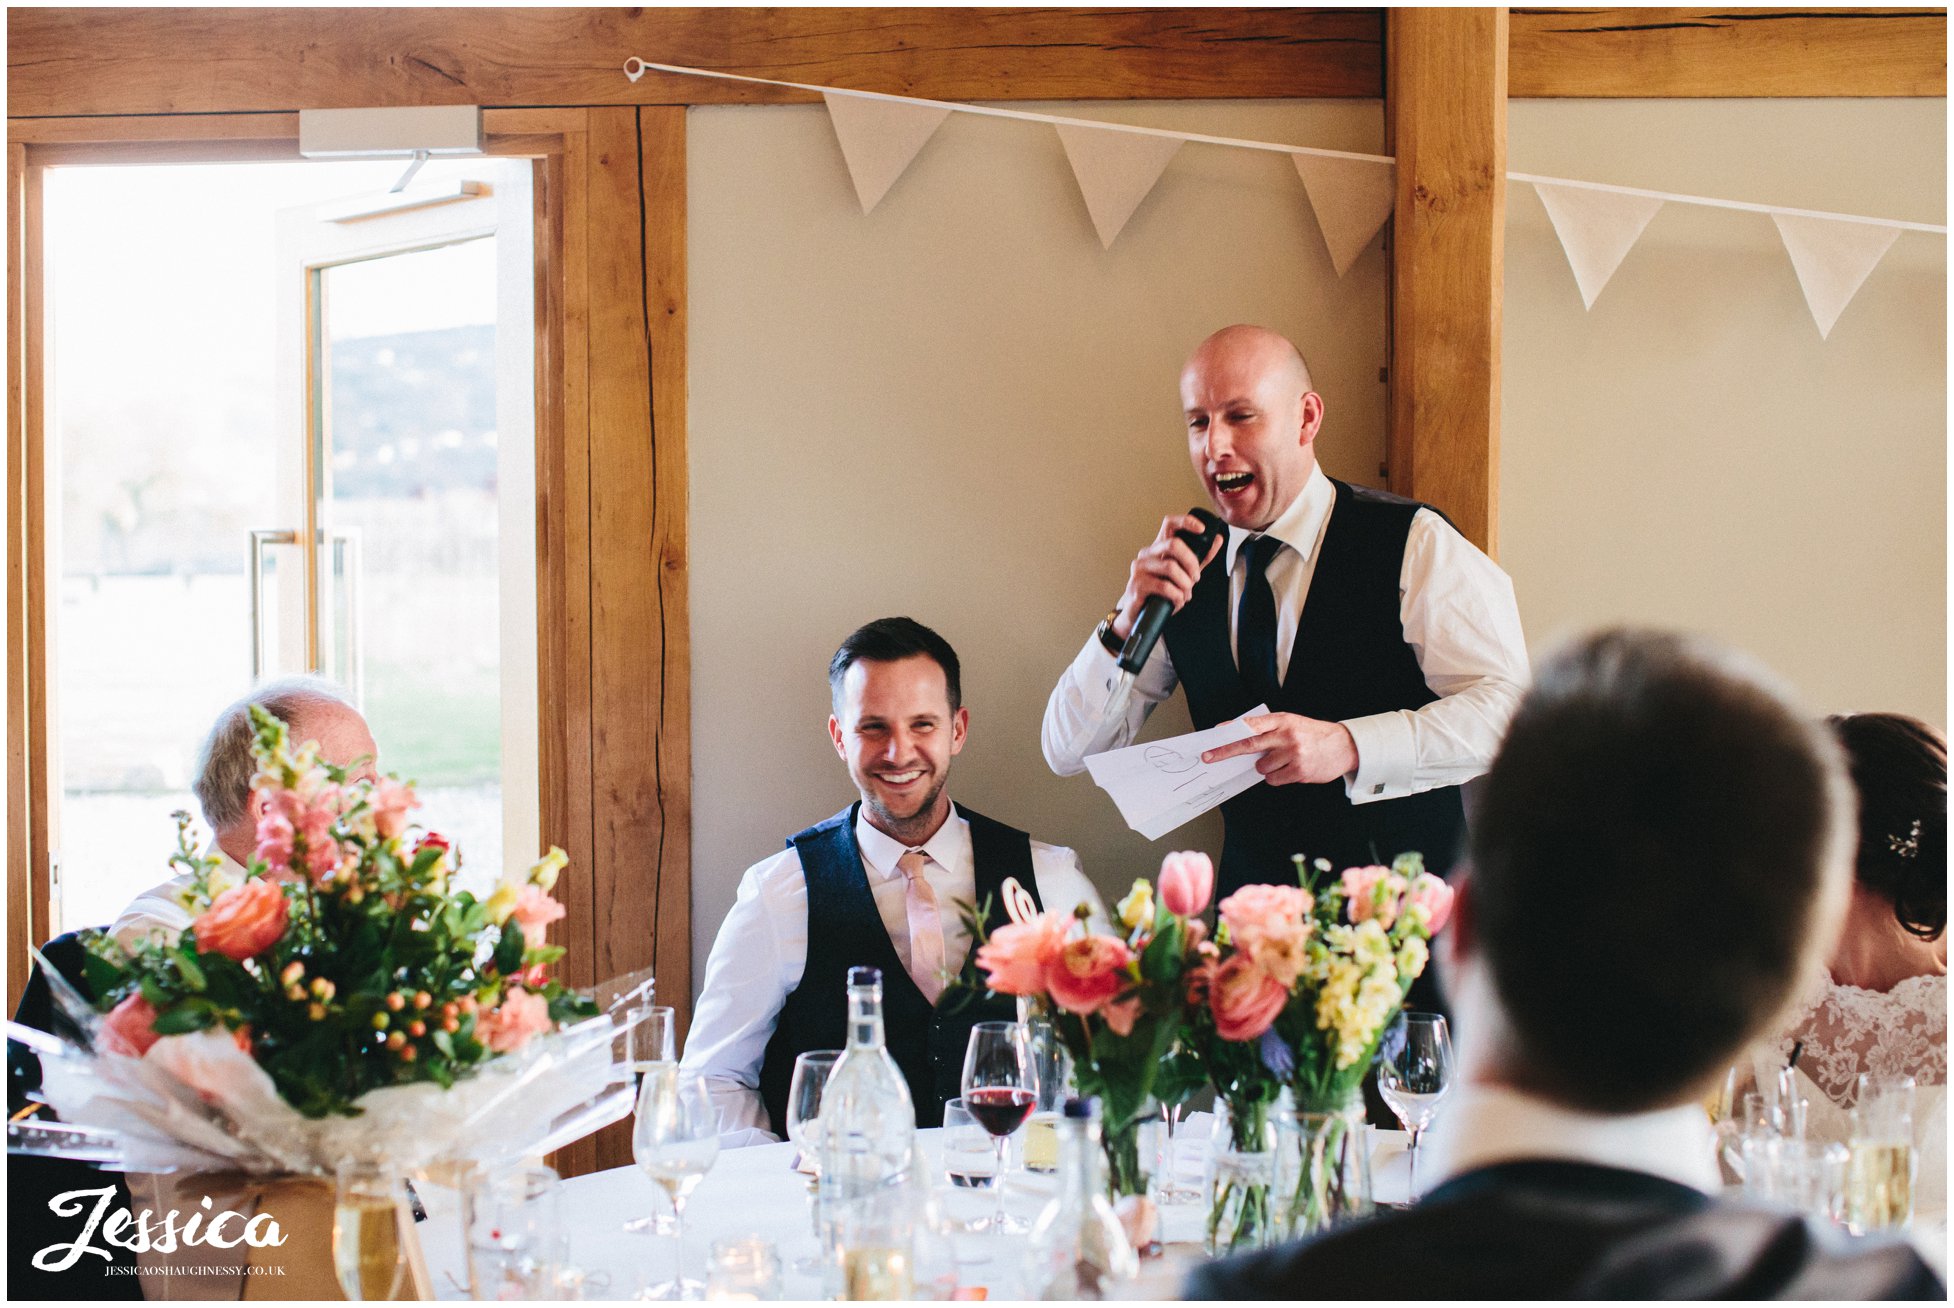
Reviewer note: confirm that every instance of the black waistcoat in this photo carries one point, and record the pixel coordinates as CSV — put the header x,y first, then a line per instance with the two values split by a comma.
x,y
1349,660
844,930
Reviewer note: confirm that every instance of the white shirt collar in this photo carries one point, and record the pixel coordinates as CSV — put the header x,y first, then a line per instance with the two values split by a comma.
x,y
948,848
1486,1124
1300,526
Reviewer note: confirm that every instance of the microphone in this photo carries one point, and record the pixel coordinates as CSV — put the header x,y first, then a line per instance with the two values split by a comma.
x,y
1141,640
1158,608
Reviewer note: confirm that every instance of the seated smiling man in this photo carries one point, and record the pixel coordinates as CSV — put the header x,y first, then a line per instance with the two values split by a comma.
x,y
1659,854
873,886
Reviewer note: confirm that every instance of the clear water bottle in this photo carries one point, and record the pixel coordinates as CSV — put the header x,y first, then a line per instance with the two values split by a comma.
x,y
1078,1248
866,1200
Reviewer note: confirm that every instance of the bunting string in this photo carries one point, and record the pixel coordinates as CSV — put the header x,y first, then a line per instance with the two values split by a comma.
x,y
1711,203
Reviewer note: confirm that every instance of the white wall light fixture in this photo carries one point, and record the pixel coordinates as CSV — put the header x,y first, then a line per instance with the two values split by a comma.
x,y
417,133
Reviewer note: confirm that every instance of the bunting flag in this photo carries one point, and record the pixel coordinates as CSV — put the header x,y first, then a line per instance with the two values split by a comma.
x,y
1352,198
1115,171
1833,260
879,138
1596,229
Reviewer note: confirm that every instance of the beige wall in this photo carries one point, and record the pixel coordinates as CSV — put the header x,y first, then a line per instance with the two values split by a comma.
x,y
960,408
1690,453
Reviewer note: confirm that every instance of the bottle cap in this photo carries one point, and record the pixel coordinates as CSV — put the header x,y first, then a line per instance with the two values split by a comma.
x,y
1082,1109
864,976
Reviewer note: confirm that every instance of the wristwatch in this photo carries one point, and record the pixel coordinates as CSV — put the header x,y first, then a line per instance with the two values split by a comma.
x,y
1107,636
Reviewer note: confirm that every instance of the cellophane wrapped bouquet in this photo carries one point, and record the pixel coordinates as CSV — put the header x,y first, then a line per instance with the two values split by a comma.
x,y
341,1000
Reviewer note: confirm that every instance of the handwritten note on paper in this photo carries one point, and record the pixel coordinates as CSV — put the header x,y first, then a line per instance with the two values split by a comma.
x,y
1164,784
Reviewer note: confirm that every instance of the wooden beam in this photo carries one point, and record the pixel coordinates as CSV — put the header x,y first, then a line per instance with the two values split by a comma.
x,y
20,913
150,61
1634,53
1445,115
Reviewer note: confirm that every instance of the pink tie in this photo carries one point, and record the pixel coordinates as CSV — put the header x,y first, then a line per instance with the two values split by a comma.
x,y
925,926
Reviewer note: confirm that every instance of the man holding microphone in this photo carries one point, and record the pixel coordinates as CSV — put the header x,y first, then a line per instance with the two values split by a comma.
x,y
1386,646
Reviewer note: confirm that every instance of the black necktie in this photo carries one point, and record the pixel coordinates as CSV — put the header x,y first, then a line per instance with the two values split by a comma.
x,y
1255,623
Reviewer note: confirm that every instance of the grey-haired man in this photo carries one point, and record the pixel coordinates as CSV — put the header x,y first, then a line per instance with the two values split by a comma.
x,y
314,709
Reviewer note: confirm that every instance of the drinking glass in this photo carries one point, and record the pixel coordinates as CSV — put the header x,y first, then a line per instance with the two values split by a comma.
x,y
369,1201
1879,1173
1054,1067
969,1155
1000,1087
651,1041
675,1141
804,1092
515,1240
1414,1071
744,1268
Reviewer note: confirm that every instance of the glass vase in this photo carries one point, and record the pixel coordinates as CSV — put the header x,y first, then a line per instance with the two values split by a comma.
x,y
1130,1148
1243,1167
1327,1170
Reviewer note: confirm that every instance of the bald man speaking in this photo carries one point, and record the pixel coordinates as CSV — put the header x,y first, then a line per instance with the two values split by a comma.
x,y
1386,645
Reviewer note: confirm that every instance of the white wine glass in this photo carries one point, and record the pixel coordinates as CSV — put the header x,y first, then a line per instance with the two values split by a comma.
x,y
369,1204
1000,1088
804,1093
1414,1072
650,1040
675,1141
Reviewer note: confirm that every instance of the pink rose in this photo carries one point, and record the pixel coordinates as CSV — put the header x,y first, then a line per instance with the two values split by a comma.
x,y
391,800
129,1028
1434,898
534,911
1122,1014
512,1023
1271,926
242,922
1245,999
211,1063
1362,895
1186,883
1087,973
1015,957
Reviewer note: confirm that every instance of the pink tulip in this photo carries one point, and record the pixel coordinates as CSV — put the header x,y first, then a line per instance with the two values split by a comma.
x,y
1186,883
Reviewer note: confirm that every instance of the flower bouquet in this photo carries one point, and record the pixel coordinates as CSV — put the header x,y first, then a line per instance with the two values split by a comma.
x,y
1302,982
340,1001
1117,1002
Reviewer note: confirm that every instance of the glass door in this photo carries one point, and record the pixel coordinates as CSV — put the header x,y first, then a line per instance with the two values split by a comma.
x,y
406,345
216,335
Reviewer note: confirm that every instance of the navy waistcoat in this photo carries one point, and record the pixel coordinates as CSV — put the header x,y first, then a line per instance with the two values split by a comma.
x,y
844,930
1349,660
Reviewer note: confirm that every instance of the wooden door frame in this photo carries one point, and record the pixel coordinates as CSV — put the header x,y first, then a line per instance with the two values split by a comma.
x,y
609,327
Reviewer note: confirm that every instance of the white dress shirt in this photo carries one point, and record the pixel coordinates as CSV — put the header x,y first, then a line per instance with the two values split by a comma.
x,y
1487,1124
160,910
761,950
1459,618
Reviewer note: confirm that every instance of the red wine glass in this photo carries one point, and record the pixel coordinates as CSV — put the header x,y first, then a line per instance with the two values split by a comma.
x,y
1000,1088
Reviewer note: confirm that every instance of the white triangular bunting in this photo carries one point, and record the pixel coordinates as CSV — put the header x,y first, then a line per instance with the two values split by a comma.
x,y
879,138
1352,198
1597,229
1833,260
1115,171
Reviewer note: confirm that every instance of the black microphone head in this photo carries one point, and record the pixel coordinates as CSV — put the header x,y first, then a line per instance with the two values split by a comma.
x,y
1212,530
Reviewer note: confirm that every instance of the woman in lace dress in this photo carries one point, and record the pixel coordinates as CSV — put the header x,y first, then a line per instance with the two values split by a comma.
x,y
1883,1005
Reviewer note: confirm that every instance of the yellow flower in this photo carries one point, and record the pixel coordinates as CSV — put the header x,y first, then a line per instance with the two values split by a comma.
x,y
1136,910
502,903
544,872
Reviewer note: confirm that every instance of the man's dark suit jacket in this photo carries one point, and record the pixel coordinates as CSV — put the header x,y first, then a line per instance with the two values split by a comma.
x,y
1566,1230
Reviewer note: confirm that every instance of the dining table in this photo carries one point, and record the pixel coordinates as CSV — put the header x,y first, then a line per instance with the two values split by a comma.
x,y
757,1191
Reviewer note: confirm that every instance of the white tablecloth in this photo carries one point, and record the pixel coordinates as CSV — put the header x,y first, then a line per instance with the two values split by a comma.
x,y
755,1192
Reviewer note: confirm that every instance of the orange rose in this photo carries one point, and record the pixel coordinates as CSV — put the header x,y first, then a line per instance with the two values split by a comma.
x,y
1246,1000
1085,974
243,922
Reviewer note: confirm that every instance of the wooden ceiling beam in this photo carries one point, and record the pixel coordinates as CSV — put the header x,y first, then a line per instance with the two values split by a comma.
x,y
1660,53
65,62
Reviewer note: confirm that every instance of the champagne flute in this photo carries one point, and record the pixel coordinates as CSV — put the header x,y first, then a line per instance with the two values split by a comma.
x,y
675,1140
367,1252
1000,1087
1414,1071
804,1128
